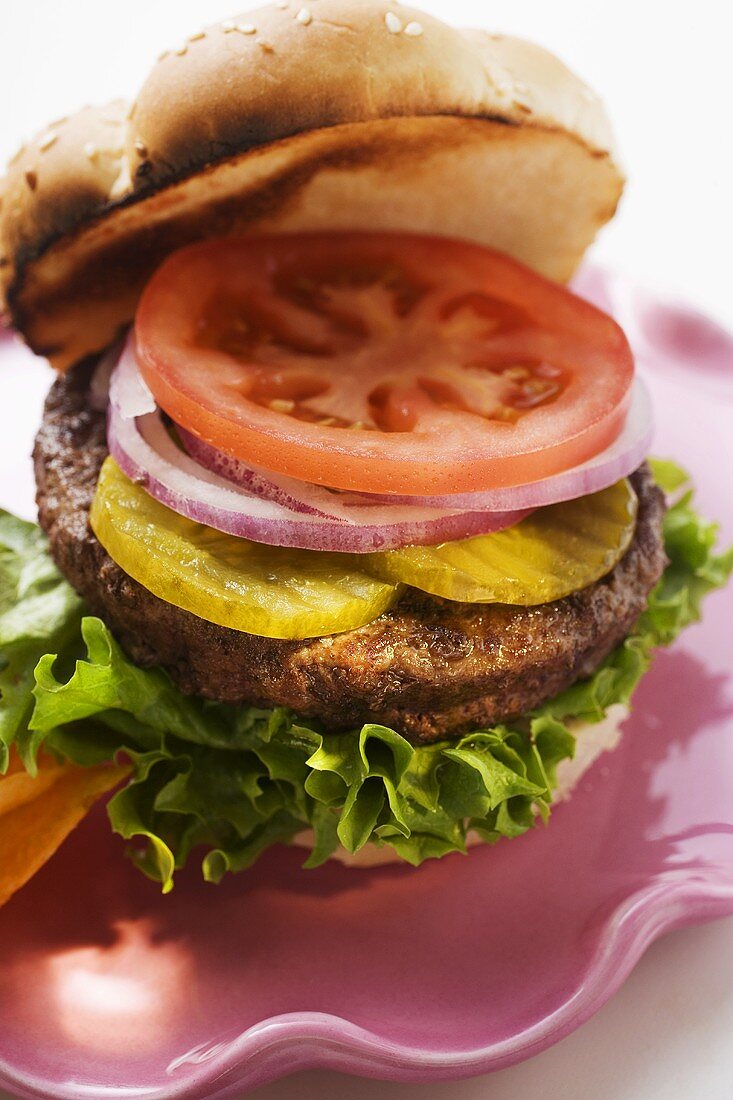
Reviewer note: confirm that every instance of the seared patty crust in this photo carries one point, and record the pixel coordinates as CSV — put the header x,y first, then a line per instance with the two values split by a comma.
x,y
428,668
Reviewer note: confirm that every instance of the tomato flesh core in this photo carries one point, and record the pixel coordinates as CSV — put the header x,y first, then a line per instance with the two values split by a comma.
x,y
381,363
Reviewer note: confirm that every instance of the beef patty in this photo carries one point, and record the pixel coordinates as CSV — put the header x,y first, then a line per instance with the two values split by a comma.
x,y
429,668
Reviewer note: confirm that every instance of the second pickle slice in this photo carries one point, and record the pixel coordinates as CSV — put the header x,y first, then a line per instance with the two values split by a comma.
x,y
555,551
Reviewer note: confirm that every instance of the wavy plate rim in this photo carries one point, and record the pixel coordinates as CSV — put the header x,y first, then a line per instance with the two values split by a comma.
x,y
328,1041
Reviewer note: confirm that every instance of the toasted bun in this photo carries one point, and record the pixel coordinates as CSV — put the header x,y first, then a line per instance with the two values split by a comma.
x,y
350,114
592,740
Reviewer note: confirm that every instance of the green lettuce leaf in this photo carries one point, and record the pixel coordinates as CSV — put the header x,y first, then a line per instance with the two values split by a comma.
x,y
227,782
38,611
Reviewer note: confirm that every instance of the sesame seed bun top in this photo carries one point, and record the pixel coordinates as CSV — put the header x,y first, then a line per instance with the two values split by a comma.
x,y
328,113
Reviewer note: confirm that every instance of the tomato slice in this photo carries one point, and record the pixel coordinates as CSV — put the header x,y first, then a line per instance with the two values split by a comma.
x,y
384,363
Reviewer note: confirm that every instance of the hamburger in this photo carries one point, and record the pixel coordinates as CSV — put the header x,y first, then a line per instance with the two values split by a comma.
x,y
348,533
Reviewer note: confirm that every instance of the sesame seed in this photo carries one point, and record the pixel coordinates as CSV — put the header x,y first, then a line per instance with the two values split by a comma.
x,y
246,28
228,26
90,150
282,405
32,180
162,56
47,141
304,17
141,148
327,421
414,30
358,425
197,37
181,50
394,23
266,47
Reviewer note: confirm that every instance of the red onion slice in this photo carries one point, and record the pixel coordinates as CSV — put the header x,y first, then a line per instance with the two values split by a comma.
x,y
222,492
144,450
128,392
298,496
617,461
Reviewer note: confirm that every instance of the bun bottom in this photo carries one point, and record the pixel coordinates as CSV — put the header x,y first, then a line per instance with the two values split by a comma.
x,y
593,739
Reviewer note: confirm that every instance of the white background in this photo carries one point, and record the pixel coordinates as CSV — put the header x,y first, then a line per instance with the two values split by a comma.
x,y
663,68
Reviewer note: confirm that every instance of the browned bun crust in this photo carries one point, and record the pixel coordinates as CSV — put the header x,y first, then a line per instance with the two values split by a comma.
x,y
62,178
350,114
344,66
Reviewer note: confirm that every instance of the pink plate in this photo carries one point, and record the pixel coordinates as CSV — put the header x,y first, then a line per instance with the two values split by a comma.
x,y
109,990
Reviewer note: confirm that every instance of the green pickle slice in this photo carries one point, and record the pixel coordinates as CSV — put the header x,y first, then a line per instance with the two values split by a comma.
x,y
271,591
279,592
555,551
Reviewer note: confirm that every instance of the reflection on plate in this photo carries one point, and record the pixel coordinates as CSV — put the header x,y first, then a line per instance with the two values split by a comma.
x,y
109,990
